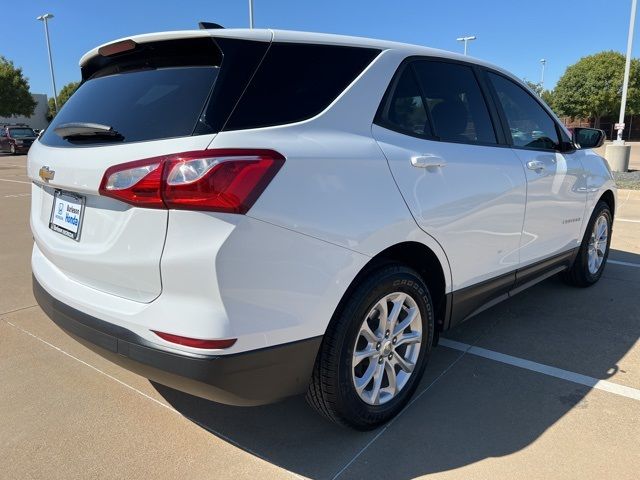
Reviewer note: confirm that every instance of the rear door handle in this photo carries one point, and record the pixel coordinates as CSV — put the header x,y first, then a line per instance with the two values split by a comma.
x,y
428,161
535,165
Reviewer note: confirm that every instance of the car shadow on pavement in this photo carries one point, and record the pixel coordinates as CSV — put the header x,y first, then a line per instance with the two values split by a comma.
x,y
475,408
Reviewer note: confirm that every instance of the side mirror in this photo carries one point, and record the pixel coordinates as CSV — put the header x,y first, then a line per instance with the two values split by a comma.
x,y
588,137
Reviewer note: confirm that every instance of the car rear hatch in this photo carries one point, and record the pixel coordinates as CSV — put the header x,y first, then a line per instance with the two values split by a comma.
x,y
140,98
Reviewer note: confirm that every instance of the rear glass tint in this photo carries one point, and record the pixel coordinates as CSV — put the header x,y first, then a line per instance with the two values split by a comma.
x,y
297,81
140,105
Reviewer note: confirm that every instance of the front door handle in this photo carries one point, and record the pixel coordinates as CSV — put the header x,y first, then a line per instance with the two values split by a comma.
x,y
535,165
428,161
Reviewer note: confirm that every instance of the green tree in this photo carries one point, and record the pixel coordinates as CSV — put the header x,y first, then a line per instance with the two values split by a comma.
x,y
63,96
15,98
592,87
536,87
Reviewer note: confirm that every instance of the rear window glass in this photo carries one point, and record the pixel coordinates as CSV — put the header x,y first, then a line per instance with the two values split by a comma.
x,y
21,132
140,105
296,82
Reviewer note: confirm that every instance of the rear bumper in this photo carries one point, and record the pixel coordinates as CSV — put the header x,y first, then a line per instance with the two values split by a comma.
x,y
249,378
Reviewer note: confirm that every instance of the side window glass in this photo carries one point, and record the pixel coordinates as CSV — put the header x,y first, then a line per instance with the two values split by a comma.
x,y
455,101
530,125
404,111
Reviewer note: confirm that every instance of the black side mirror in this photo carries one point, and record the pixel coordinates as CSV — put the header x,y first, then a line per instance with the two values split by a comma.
x,y
588,137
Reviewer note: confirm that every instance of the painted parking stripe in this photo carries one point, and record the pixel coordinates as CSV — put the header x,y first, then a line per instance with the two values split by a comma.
x,y
17,195
628,220
14,181
578,378
626,264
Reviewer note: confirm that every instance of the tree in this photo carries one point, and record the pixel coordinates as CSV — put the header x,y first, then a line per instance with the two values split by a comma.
x,y
592,87
536,87
15,98
66,92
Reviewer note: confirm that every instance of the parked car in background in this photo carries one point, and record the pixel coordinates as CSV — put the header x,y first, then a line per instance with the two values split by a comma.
x,y
307,215
16,138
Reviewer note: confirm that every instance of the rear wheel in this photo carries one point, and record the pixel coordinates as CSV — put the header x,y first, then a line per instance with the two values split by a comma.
x,y
594,250
375,350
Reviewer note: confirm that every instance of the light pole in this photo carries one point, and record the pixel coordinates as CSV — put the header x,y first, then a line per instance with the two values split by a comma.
x,y
466,40
44,18
627,66
543,62
250,13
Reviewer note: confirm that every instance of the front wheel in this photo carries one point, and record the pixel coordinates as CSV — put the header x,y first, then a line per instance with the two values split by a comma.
x,y
375,350
594,250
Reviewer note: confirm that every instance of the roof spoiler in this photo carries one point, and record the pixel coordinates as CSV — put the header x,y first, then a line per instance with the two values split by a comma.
x,y
209,26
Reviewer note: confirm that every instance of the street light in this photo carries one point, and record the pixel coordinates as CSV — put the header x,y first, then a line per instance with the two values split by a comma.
x,y
627,66
466,40
44,18
250,13
543,62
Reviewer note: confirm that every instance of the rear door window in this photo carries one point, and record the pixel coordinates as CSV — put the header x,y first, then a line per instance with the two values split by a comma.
x,y
455,102
530,126
297,81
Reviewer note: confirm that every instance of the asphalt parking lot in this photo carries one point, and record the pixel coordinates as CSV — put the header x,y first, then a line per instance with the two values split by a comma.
x,y
543,386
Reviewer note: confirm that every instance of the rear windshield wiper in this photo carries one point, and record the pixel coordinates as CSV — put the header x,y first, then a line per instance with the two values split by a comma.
x,y
81,130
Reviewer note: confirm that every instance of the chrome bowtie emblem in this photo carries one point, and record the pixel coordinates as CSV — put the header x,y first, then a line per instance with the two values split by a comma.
x,y
46,174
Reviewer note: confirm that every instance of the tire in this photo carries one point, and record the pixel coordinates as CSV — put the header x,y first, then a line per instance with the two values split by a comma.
x,y
586,270
332,391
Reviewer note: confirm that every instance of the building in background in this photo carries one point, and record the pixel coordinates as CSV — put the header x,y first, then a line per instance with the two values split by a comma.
x,y
38,119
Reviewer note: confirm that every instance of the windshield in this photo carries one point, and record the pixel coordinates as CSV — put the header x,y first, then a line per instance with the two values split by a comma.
x,y
140,105
21,132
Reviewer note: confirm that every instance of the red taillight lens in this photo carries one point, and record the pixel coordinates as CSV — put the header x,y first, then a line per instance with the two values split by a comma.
x,y
137,183
228,180
196,342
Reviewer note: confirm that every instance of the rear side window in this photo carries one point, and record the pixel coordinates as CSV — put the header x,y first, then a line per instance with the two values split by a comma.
x,y
297,81
455,102
404,111
529,124
140,105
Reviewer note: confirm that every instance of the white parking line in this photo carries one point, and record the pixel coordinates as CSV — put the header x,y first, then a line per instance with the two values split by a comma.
x,y
626,264
14,181
17,195
578,378
628,220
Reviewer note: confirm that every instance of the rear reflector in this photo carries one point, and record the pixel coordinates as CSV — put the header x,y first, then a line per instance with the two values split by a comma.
x,y
196,342
228,180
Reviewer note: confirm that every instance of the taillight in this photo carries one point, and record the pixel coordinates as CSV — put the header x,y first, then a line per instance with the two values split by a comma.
x,y
196,342
229,180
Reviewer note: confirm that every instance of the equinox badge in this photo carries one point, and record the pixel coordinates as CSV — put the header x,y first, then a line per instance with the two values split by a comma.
x,y
46,174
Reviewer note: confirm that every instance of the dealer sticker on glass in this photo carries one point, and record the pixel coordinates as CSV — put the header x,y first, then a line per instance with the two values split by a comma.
x,y
66,214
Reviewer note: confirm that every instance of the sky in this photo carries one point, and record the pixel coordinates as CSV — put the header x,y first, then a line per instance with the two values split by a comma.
x,y
512,34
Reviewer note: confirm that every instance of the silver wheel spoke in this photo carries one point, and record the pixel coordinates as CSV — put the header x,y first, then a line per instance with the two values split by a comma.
x,y
395,312
362,382
391,376
411,315
367,333
409,338
377,382
404,364
362,354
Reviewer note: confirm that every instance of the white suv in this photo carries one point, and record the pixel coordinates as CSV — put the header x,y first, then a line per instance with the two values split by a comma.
x,y
246,215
